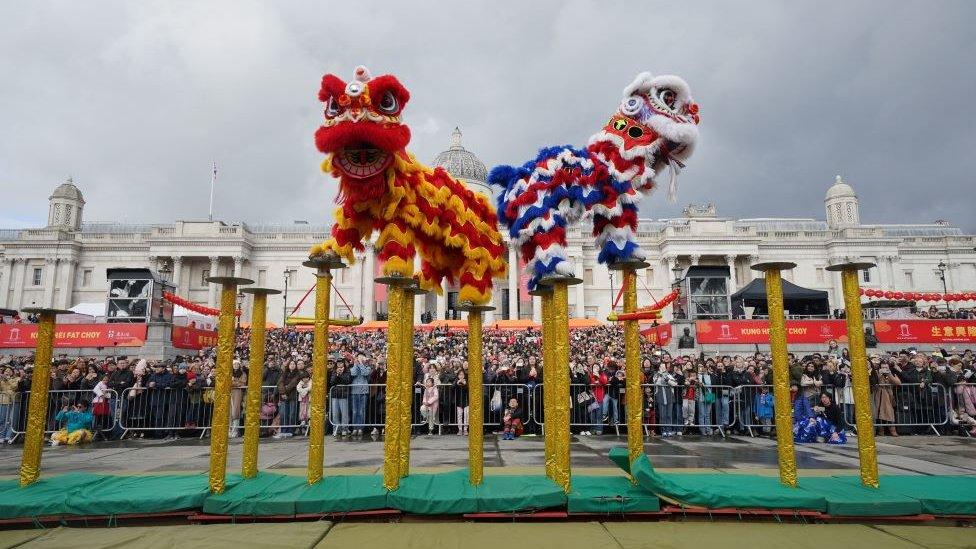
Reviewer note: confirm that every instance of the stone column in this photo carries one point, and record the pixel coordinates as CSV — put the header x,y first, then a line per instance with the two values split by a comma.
x,y
50,279
178,274
733,283
214,265
536,309
6,275
695,258
18,282
67,284
368,309
580,307
238,266
442,302
513,282
753,259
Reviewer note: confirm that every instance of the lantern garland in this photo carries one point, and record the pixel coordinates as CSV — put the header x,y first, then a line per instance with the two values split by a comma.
x,y
919,296
191,306
645,313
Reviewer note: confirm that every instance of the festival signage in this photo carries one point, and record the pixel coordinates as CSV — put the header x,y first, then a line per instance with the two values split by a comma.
x,y
185,337
659,335
20,336
735,332
925,331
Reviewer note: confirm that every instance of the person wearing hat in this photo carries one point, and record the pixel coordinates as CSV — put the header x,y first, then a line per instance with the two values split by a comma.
x,y
78,421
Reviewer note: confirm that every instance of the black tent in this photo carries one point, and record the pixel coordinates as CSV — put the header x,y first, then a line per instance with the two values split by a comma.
x,y
796,299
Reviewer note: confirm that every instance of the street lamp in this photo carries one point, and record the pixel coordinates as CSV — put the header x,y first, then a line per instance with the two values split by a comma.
x,y
164,273
940,270
284,313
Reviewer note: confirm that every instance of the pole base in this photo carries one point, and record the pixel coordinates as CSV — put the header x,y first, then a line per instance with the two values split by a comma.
x,y
472,308
773,266
45,310
229,280
324,261
628,265
853,266
260,291
552,280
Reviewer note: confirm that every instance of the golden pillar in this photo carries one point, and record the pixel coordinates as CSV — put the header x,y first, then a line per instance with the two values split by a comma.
x,y
317,412
559,423
398,400
476,367
30,462
225,358
548,381
255,373
632,372
406,377
781,369
866,449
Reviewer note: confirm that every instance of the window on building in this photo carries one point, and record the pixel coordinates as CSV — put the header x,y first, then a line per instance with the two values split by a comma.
x,y
820,275
86,278
204,275
588,277
262,277
36,276
867,275
909,280
650,276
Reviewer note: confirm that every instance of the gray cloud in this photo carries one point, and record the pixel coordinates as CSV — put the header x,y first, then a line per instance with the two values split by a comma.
x,y
136,99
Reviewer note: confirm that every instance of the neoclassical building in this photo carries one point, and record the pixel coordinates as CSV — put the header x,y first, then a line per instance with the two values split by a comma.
x,y
64,264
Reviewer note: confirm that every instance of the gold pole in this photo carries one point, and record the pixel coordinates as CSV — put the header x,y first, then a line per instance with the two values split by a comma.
x,y
635,434
406,377
225,357
866,448
781,371
30,463
255,373
548,378
560,354
476,366
394,386
320,364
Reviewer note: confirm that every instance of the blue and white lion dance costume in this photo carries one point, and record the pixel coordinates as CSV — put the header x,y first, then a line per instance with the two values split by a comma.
x,y
655,126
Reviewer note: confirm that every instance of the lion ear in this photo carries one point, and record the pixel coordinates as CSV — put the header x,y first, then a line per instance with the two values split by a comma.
x,y
388,83
332,86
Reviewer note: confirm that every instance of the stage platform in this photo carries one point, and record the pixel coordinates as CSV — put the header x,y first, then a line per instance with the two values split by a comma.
x,y
656,494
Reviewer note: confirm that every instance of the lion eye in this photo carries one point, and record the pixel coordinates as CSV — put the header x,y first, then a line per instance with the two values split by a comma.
x,y
389,104
667,96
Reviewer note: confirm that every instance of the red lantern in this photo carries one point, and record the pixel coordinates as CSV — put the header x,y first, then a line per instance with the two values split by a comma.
x,y
862,291
888,295
897,295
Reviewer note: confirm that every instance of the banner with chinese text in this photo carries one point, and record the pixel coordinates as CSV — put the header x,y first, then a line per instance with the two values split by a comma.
x,y
659,335
925,331
736,332
185,337
20,336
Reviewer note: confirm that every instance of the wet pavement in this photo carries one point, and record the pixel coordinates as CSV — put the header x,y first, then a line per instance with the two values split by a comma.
x,y
903,455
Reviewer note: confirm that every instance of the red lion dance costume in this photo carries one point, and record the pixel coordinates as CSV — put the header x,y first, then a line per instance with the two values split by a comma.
x,y
383,187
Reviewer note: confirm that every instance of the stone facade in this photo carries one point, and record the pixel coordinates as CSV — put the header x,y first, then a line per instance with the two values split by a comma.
x,y
64,264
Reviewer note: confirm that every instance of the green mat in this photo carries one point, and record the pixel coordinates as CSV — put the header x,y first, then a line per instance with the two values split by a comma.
x,y
609,495
939,495
846,496
89,494
276,494
718,491
341,494
451,493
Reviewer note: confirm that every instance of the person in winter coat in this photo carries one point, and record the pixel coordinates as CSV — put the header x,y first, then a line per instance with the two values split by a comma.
x,y
664,384
339,380
430,404
764,408
78,421
360,372
288,394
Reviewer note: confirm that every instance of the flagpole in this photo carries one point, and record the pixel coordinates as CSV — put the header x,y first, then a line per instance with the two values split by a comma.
x,y
213,181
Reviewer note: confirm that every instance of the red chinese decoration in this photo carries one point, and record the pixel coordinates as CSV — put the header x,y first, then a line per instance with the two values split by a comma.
x,y
191,306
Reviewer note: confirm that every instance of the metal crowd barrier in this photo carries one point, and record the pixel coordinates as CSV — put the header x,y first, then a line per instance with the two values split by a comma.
x,y
171,410
56,401
341,405
915,405
653,417
748,407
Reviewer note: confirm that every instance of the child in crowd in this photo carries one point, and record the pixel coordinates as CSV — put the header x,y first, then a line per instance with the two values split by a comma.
x,y
78,421
512,420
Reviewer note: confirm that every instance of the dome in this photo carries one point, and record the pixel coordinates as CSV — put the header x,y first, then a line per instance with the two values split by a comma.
x,y
840,189
460,162
68,190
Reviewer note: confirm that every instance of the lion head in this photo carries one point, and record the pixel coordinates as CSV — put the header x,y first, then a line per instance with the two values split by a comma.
x,y
362,130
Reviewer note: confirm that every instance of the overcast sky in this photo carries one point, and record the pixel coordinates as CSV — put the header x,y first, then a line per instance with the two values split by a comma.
x,y
135,99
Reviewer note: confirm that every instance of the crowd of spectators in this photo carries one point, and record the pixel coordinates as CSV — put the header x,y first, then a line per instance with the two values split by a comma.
x,y
692,393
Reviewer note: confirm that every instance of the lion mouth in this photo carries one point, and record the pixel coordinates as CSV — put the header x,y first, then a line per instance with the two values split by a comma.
x,y
362,160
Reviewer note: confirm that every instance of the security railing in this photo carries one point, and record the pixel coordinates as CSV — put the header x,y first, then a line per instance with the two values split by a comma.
x,y
677,409
913,405
103,409
962,410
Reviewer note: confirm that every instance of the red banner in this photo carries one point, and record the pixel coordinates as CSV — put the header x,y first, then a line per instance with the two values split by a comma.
x,y
659,335
757,331
925,331
20,336
185,337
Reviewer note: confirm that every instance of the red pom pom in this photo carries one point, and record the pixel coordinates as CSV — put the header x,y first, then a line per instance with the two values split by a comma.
x,y
897,295
888,295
